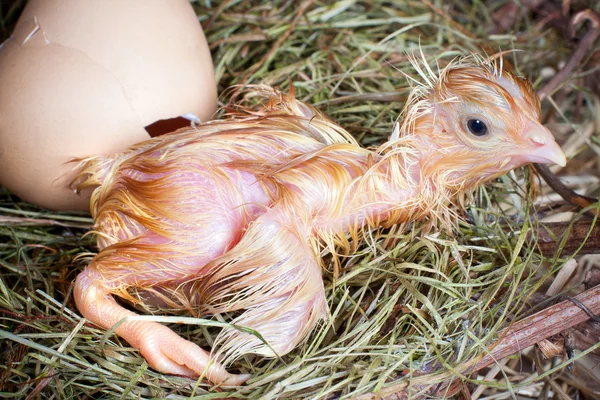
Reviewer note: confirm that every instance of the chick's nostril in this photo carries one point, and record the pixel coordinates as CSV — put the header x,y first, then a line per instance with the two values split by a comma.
x,y
539,140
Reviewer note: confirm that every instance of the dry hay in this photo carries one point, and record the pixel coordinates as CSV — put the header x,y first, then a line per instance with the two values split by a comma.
x,y
410,311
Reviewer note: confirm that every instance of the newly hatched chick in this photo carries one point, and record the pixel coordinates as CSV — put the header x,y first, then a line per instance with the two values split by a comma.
x,y
232,215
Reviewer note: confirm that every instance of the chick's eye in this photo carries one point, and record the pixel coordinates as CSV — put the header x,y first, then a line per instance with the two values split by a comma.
x,y
477,127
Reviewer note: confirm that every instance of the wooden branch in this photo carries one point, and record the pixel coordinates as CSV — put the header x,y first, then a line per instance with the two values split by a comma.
x,y
567,194
519,336
580,52
576,58
550,234
542,325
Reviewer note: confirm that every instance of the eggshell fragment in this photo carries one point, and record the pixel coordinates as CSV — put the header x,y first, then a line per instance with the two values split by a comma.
x,y
155,49
79,79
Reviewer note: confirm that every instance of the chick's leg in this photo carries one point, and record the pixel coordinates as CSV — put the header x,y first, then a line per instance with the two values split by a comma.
x,y
163,349
274,275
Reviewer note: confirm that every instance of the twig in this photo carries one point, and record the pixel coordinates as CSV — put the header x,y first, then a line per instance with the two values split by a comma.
x,y
520,335
580,52
542,325
549,237
578,55
560,188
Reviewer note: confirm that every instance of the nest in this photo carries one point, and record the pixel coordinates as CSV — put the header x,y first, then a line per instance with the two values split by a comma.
x,y
412,313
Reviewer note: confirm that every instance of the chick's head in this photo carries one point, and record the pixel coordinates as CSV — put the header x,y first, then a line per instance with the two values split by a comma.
x,y
476,121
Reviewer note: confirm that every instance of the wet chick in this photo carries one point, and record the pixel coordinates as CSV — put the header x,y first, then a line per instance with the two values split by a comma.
x,y
231,216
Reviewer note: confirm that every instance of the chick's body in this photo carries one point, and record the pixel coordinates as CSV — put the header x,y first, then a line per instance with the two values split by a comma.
x,y
232,215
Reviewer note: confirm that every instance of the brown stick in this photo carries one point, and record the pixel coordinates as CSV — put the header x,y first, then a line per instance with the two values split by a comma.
x,y
580,52
567,194
551,321
550,234
578,55
520,335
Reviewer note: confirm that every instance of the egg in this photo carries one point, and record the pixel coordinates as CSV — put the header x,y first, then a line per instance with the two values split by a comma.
x,y
83,78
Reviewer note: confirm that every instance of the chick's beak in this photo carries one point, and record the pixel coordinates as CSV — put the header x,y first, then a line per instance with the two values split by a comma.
x,y
539,146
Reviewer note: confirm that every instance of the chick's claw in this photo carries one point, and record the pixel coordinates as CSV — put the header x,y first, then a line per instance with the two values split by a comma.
x,y
169,353
163,349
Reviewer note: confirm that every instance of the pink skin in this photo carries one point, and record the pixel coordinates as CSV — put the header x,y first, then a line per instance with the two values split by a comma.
x,y
163,348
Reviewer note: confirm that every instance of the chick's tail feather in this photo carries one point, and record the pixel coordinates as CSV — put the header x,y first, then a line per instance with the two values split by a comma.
x,y
93,172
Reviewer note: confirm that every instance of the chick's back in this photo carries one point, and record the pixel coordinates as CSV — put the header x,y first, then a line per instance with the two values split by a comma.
x,y
185,198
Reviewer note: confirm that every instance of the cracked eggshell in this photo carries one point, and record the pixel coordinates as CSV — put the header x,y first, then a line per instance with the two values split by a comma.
x,y
82,78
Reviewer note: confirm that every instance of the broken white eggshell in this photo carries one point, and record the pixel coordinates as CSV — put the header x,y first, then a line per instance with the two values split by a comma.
x,y
82,78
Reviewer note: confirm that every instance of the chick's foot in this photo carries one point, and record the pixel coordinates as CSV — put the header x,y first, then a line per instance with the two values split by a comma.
x,y
163,349
169,353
